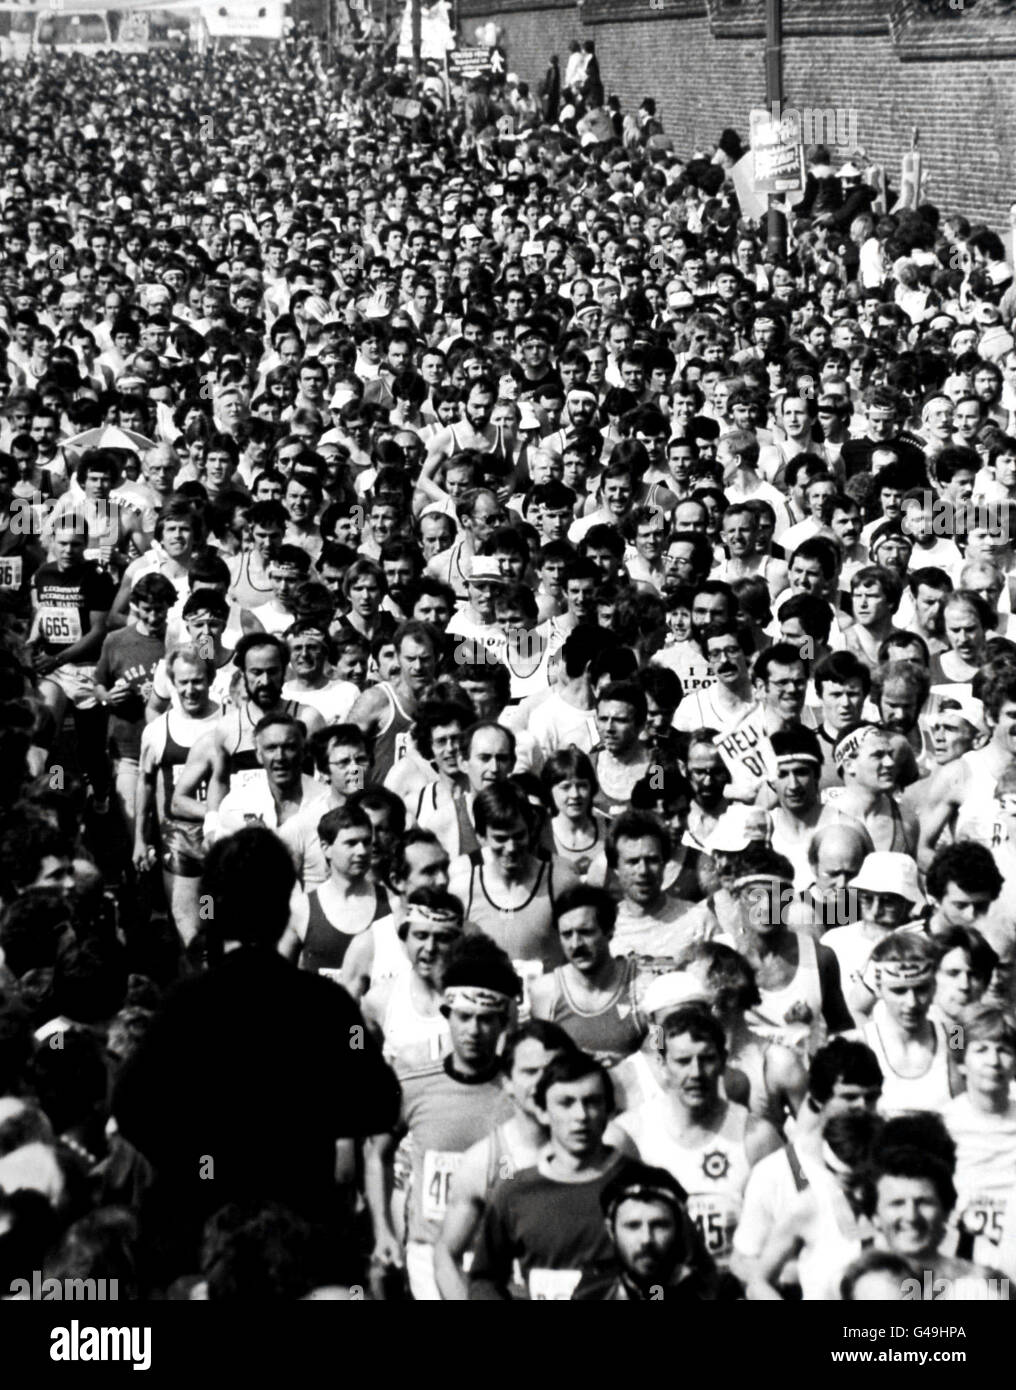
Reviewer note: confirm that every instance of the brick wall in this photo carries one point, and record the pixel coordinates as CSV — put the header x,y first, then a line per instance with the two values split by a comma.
x,y
704,74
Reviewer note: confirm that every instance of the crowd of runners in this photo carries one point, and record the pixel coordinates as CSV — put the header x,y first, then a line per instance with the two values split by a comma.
x,y
507,701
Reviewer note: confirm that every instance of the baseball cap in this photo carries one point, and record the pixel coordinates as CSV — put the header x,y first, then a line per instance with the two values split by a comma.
x,y
485,569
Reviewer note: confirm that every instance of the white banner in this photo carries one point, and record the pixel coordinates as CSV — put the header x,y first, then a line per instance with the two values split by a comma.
x,y
245,19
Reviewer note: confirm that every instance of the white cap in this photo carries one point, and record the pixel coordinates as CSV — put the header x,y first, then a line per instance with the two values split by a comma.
x,y
886,871
671,991
738,827
485,569
955,702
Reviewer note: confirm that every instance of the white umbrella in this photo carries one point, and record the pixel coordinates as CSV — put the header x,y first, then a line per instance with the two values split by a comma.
x,y
109,437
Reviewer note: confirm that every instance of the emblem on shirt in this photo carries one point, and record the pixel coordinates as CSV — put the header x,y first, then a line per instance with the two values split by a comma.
x,y
715,1165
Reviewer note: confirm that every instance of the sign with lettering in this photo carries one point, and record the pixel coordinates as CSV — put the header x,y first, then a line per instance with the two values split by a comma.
x,y
746,750
468,63
778,153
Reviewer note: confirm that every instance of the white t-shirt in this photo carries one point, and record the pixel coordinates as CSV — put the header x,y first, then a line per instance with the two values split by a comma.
x,y
333,701
555,724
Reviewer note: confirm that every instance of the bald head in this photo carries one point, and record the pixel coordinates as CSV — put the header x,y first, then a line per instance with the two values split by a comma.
x,y
837,852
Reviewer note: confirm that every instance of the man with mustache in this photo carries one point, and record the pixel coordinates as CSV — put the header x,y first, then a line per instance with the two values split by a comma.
x,y
592,996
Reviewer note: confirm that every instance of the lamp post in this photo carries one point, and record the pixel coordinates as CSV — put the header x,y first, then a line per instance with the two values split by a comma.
x,y
776,223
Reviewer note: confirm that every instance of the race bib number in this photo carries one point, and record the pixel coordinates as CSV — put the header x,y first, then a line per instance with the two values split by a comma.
x,y
553,1285
60,626
247,777
402,744
11,570
438,1170
527,971
716,1219
983,1218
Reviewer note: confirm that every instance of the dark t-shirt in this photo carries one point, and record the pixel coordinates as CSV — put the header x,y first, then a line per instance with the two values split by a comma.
x,y
129,656
64,601
554,1229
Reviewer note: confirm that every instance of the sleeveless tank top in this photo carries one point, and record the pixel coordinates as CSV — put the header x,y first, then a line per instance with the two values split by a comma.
x,y
608,1034
769,1018
390,958
393,739
246,593
978,803
985,1168
898,843
579,860
610,800
244,768
902,1094
175,755
405,1027
713,1173
526,932
325,945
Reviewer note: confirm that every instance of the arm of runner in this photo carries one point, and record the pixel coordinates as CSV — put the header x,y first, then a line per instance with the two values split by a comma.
x,y
617,1137
378,1166
783,1245
250,622
785,1078
200,764
118,613
462,1220
440,448
366,712
760,1138
86,649
944,796
541,993
491,1271
311,719
834,1006
144,802
357,965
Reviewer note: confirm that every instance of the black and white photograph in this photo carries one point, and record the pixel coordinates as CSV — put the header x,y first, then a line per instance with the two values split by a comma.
x,y
507,670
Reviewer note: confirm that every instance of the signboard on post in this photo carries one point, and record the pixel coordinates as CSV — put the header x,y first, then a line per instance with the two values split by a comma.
x,y
245,19
467,63
778,152
406,107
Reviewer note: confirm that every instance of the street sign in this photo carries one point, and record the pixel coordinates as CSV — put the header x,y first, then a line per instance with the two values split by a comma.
x,y
778,153
468,63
